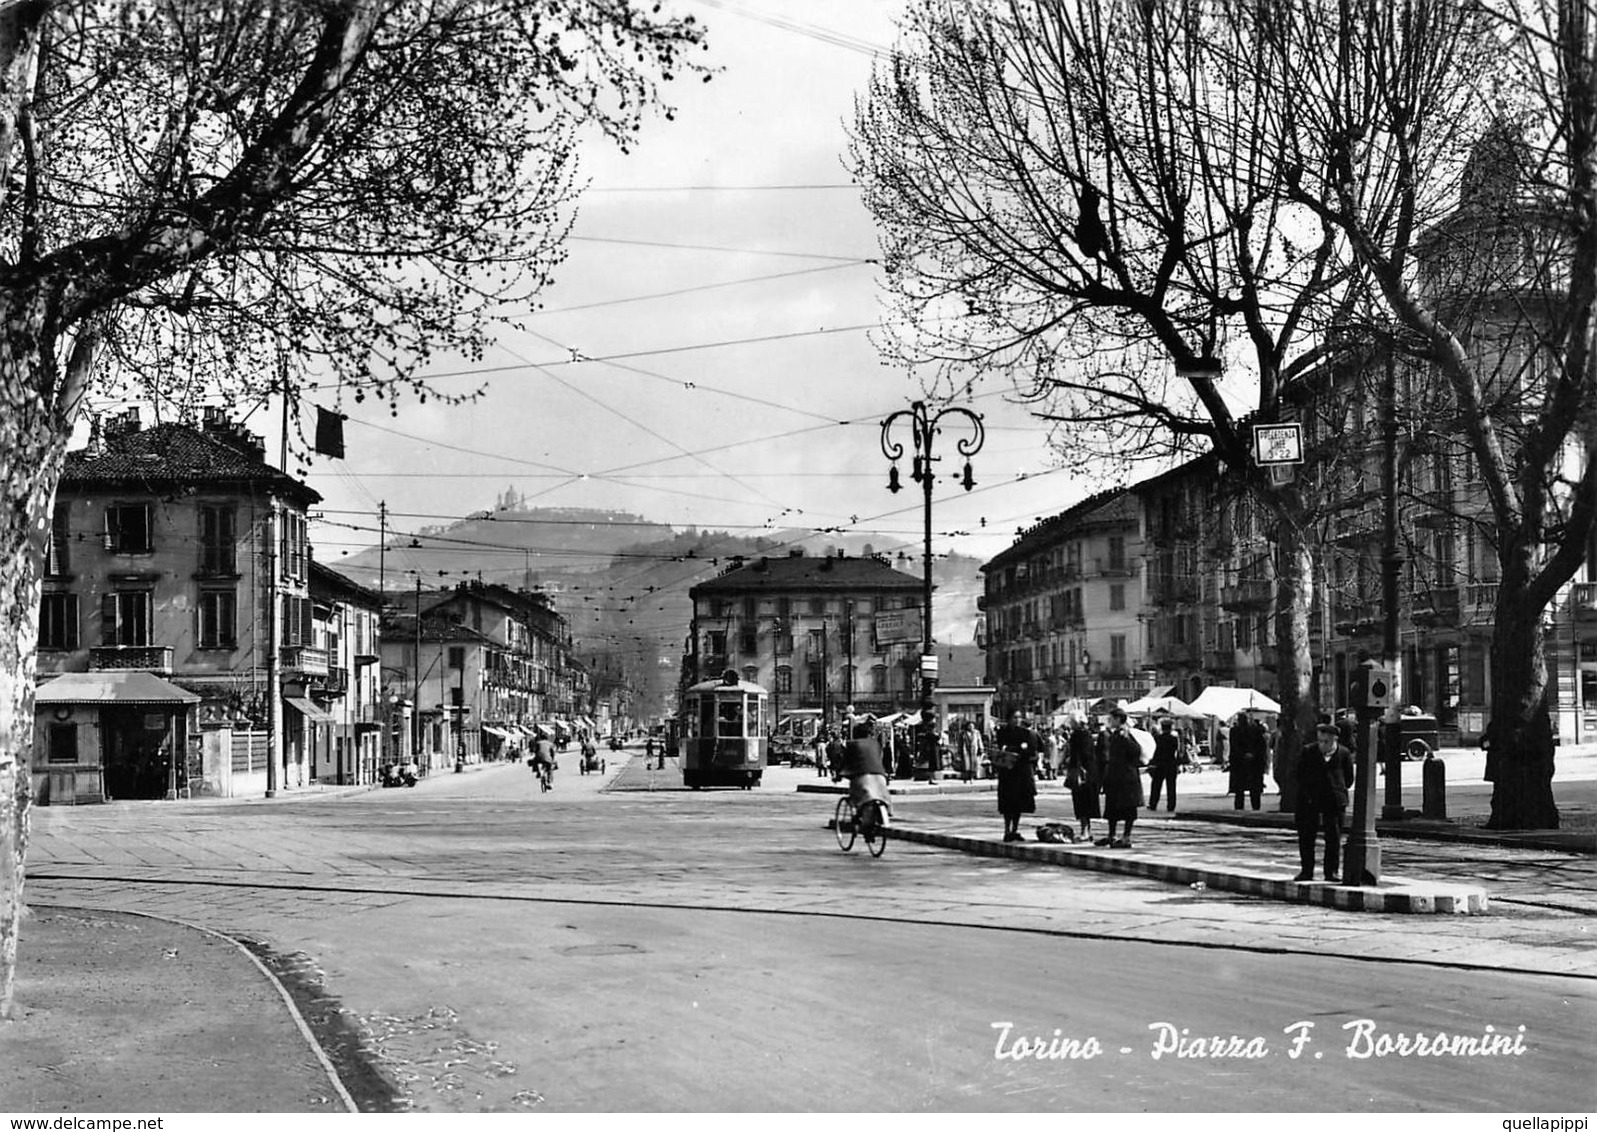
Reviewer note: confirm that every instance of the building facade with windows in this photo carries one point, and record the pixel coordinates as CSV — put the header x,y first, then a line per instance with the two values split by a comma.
x,y
488,665
347,625
820,632
1063,608
178,552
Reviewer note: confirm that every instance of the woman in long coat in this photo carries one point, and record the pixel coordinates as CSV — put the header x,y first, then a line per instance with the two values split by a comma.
x,y
1017,746
1120,756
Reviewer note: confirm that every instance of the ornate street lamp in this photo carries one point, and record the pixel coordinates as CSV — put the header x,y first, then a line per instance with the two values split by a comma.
x,y
924,427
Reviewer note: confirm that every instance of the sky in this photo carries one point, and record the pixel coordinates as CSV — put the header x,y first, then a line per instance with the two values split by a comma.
x,y
720,279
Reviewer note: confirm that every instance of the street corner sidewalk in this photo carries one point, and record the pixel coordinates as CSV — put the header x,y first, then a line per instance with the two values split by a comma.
x,y
1177,859
118,1012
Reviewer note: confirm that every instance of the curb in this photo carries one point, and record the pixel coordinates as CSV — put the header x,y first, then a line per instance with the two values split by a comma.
x,y
1402,831
1397,897
290,1008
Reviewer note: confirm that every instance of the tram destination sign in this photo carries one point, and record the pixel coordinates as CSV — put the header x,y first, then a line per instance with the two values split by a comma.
x,y
897,626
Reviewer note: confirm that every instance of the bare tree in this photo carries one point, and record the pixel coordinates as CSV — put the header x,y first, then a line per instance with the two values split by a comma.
x,y
1079,192
198,195
1470,199
1087,199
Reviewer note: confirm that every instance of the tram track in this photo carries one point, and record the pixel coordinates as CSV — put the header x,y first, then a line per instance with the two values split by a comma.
x,y
1158,936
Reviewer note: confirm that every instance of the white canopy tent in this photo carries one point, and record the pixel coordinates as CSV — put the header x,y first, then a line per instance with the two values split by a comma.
x,y
1167,705
1223,703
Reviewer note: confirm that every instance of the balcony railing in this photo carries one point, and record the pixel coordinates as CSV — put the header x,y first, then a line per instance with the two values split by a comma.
x,y
1436,606
1218,661
1252,593
305,660
125,658
1480,601
335,682
1356,618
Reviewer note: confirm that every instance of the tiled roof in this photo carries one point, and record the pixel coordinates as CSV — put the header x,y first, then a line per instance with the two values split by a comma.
x,y
175,453
807,573
1115,506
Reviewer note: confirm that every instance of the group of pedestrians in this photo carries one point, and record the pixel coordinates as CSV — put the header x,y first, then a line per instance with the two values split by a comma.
x,y
1103,773
1108,767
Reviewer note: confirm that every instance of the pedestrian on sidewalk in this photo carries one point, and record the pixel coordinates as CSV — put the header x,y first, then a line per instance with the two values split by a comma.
x,y
1247,760
819,749
1081,775
1120,768
1324,771
1017,747
1166,765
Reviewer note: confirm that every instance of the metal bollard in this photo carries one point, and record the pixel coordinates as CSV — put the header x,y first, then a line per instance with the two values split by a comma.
x,y
1433,775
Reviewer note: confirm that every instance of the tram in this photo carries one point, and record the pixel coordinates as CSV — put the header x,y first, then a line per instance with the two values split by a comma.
x,y
723,740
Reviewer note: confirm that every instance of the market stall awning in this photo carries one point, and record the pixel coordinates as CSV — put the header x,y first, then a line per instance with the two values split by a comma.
x,y
1223,703
122,687
309,710
1163,705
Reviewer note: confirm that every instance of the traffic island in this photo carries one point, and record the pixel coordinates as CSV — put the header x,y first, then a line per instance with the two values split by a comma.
x,y
1392,895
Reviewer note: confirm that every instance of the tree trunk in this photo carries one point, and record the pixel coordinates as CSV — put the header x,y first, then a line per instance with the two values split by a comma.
x,y
1294,596
34,440
1519,756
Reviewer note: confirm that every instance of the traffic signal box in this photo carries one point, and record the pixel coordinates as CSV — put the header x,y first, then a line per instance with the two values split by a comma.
x,y
1371,689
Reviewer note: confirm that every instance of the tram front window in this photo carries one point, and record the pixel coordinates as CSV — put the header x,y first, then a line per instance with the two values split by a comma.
x,y
730,721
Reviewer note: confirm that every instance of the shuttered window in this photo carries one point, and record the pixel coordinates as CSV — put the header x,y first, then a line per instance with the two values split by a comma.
x,y
125,618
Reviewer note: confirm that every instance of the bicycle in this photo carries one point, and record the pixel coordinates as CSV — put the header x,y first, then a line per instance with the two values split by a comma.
x,y
848,821
546,776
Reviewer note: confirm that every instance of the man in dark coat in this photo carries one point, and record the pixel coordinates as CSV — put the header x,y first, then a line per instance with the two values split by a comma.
x,y
1120,763
1017,786
1325,771
1081,776
1165,766
1247,760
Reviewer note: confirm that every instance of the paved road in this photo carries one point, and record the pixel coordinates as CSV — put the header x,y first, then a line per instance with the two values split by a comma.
x,y
609,945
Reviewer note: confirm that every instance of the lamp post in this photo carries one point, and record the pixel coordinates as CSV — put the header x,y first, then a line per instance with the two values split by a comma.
x,y
924,426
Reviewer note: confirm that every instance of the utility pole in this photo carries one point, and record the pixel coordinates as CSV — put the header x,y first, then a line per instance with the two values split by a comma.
x,y
415,686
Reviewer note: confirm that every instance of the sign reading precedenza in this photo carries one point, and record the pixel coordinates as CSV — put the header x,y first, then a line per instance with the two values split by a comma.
x,y
897,626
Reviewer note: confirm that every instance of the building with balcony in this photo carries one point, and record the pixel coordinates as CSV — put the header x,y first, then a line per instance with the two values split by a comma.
x,y
347,627
176,552
1492,268
820,632
1064,606
484,665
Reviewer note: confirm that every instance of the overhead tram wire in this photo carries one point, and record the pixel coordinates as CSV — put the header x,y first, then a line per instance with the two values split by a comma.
x,y
701,287
853,259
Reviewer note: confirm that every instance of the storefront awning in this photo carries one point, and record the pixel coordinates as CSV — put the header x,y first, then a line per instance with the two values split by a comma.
x,y
309,710
496,732
122,687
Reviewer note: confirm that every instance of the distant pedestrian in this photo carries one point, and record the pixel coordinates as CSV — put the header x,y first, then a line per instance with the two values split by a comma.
x,y
1165,766
818,747
1324,772
1247,760
1081,775
1017,747
1120,768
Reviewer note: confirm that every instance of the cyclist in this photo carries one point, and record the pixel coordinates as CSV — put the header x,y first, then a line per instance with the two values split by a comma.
x,y
867,777
542,761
